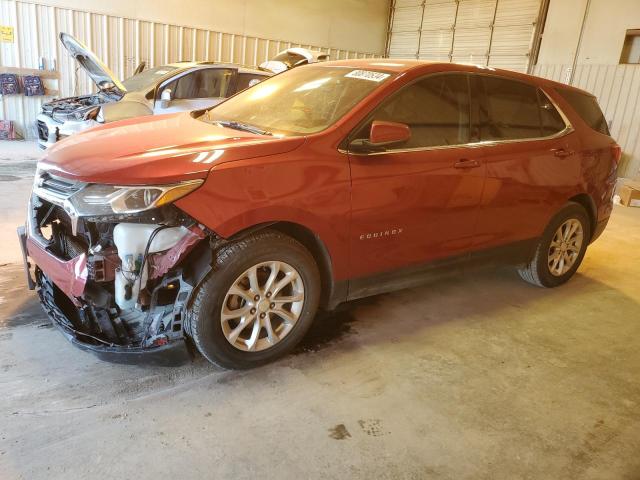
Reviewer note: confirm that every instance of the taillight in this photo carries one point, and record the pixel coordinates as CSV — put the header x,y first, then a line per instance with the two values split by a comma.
x,y
616,153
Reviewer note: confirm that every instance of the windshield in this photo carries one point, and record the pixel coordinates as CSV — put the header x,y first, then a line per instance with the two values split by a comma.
x,y
147,79
300,101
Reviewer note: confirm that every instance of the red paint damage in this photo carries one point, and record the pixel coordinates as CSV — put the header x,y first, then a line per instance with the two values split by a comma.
x,y
160,263
70,276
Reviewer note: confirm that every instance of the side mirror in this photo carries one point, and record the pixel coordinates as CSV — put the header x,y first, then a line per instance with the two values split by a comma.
x,y
382,134
165,98
140,68
387,133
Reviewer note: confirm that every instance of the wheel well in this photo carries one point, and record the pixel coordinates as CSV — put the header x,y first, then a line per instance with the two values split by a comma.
x,y
587,203
315,246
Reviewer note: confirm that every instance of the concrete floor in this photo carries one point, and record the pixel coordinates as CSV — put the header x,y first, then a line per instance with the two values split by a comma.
x,y
480,377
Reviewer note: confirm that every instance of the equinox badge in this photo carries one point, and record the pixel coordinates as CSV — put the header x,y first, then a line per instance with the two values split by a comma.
x,y
384,233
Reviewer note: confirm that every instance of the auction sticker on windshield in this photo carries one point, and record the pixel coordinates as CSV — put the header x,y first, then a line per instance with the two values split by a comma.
x,y
367,75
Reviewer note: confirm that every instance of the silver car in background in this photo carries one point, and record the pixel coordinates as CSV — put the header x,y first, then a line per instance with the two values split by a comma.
x,y
168,88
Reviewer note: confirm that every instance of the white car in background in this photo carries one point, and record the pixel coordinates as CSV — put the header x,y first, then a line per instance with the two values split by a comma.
x,y
168,88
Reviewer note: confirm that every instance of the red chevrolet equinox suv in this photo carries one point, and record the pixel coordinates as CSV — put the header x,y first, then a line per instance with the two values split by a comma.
x,y
228,228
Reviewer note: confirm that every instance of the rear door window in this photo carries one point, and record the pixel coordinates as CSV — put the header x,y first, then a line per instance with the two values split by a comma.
x,y
587,107
509,111
436,109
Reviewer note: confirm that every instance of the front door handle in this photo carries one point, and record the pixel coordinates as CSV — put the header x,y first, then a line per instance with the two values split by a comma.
x,y
562,153
466,163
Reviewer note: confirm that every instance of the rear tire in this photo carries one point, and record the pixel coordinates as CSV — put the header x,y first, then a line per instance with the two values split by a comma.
x,y
241,317
561,248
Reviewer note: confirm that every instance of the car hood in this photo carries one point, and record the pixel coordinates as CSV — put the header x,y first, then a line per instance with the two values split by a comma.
x,y
88,60
156,149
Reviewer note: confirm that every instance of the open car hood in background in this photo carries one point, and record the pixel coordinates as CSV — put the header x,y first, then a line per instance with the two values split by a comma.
x,y
94,67
292,57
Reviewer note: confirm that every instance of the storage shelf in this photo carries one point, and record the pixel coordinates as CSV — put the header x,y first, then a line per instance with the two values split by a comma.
x,y
50,74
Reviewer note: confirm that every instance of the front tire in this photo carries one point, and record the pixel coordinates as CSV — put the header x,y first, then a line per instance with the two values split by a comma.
x,y
561,248
257,303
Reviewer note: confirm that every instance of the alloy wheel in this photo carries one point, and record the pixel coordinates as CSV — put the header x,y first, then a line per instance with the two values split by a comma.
x,y
565,247
262,306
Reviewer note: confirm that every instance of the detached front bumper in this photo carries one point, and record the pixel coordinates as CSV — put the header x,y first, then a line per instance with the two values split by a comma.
x,y
170,355
70,277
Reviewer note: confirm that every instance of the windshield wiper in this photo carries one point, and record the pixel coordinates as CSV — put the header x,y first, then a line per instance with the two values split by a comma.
x,y
244,126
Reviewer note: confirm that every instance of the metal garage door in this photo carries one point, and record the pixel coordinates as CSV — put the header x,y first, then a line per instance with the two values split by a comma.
x,y
497,33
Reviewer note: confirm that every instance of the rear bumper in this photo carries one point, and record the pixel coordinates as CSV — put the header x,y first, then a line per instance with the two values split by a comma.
x,y
72,277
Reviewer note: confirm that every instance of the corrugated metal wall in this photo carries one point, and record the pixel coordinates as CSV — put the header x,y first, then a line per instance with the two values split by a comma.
x,y
617,88
122,43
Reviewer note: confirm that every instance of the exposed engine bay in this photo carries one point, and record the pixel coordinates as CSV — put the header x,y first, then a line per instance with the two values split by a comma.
x,y
78,108
125,283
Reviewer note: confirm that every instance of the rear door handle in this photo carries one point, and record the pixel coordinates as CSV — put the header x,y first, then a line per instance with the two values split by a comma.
x,y
562,153
466,163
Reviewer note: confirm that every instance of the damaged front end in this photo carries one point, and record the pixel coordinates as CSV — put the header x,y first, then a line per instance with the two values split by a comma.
x,y
114,266
63,117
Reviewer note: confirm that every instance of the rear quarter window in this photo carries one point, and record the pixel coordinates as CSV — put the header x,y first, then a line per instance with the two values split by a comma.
x,y
552,121
587,107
